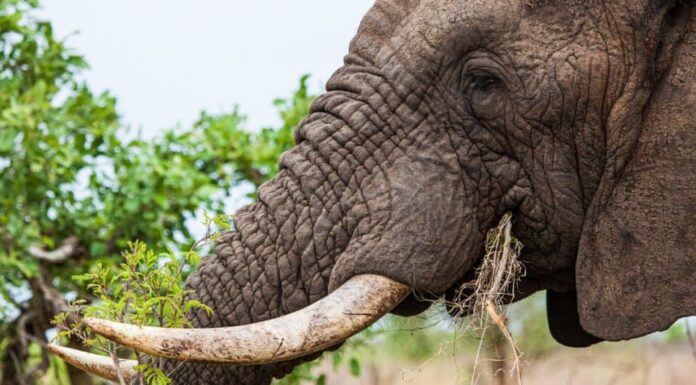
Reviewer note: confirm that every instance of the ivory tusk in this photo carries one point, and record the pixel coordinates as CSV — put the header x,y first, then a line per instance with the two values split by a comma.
x,y
354,306
101,366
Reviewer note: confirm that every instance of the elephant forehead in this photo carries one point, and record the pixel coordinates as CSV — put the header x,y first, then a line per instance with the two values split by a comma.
x,y
438,31
438,23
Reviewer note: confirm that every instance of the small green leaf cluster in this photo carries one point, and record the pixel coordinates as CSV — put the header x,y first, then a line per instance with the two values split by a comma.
x,y
145,289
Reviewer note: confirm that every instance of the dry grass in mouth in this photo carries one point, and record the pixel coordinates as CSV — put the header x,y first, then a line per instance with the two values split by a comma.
x,y
483,298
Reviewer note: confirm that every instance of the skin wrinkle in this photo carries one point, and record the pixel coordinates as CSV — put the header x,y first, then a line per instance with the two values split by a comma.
x,y
547,109
576,165
605,92
623,52
315,197
324,206
354,174
367,117
283,252
390,198
578,131
283,295
369,139
477,180
460,160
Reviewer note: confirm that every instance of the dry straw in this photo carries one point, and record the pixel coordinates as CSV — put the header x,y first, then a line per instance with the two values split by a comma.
x,y
483,298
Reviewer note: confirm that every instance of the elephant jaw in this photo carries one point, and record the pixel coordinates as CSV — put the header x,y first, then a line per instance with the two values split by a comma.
x,y
354,306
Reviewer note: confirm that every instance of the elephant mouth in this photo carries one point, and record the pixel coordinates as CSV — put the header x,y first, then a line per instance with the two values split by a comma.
x,y
495,276
354,306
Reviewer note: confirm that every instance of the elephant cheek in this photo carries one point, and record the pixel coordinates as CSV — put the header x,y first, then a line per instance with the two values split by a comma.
x,y
419,227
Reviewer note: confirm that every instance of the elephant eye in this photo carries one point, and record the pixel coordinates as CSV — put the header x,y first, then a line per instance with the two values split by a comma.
x,y
483,82
484,99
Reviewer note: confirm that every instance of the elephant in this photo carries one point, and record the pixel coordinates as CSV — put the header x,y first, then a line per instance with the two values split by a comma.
x,y
578,117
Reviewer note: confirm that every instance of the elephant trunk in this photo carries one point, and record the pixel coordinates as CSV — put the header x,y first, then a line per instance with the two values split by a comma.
x,y
278,260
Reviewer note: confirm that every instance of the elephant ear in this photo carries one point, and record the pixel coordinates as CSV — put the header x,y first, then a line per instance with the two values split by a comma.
x,y
636,267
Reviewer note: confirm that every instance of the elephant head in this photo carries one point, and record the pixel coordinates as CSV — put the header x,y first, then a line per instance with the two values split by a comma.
x,y
578,117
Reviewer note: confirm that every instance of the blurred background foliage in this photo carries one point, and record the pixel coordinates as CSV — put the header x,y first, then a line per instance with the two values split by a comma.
x,y
74,179
76,186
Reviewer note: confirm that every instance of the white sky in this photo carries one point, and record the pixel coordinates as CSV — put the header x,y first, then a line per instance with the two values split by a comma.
x,y
167,60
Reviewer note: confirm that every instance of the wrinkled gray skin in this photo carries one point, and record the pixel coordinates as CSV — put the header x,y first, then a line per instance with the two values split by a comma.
x,y
446,115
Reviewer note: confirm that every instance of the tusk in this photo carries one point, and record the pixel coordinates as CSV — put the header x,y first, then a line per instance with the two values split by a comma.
x,y
101,366
355,305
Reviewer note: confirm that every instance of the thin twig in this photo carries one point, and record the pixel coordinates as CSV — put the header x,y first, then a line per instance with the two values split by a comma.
x,y
477,360
22,331
500,322
119,374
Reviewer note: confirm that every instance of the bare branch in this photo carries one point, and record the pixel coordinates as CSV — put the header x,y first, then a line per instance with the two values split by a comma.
x,y
52,298
22,331
66,250
119,374
500,323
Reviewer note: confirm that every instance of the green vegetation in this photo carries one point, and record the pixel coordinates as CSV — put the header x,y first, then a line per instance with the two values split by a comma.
x,y
74,192
144,290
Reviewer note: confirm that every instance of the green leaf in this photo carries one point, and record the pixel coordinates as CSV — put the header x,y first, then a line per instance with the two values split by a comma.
x,y
7,138
354,366
336,359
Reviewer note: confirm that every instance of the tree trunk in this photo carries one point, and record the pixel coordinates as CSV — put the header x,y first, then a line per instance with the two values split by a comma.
x,y
10,359
30,328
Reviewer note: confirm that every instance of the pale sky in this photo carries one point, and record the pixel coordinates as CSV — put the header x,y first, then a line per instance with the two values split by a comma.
x,y
166,60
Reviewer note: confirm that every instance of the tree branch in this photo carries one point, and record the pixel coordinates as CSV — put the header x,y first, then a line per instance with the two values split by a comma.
x,y
53,300
66,250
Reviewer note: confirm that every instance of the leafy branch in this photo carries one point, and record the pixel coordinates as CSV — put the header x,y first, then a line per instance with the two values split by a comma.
x,y
145,289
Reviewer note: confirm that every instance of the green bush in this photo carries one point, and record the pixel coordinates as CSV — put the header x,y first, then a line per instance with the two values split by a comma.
x,y
74,179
